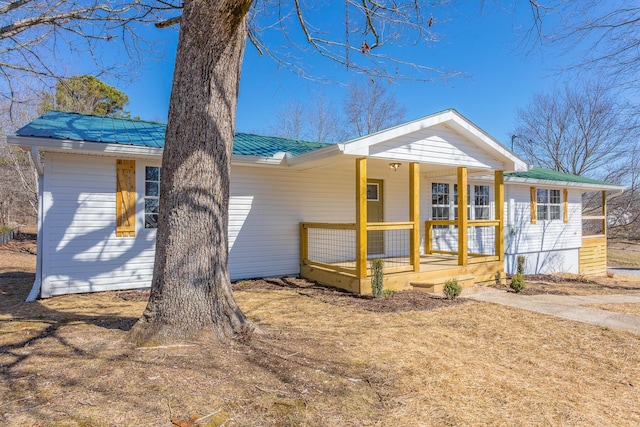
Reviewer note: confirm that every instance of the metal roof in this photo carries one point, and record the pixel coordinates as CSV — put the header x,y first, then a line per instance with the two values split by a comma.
x,y
549,175
124,131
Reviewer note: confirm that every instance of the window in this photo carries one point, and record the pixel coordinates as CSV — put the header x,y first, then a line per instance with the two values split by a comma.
x,y
548,204
439,202
478,202
481,207
372,192
151,196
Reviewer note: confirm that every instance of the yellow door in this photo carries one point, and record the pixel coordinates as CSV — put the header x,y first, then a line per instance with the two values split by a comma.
x,y
375,213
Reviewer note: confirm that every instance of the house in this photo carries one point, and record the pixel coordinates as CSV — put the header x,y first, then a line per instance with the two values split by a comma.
x,y
312,209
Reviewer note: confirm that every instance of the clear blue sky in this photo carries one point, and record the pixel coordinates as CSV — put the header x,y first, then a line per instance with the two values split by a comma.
x,y
486,46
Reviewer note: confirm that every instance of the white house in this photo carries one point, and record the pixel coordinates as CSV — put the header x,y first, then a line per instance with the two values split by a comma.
x,y
312,209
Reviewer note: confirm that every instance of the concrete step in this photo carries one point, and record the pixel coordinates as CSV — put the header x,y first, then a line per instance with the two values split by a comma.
x,y
436,286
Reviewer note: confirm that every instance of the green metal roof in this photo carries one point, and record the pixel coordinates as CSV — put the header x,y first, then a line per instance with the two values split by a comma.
x,y
122,131
549,175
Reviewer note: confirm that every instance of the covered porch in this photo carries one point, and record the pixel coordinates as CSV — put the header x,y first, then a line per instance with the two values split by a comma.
x,y
340,254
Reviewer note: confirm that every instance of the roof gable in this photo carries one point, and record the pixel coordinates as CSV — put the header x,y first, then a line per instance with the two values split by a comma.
x,y
442,138
128,132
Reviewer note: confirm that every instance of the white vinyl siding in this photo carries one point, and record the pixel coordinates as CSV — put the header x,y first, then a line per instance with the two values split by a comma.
x,y
81,252
549,246
436,145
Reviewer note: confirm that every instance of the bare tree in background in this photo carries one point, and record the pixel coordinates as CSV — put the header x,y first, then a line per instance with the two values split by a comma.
x,y
602,35
575,130
315,121
35,34
369,108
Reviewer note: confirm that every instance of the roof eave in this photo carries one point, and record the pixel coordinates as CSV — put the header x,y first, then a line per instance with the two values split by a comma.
x,y
83,147
315,155
577,185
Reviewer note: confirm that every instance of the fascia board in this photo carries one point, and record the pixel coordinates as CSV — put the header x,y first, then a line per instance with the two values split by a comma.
x,y
549,183
315,155
83,147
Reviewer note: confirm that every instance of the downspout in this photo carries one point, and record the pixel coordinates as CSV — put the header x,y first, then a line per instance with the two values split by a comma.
x,y
35,289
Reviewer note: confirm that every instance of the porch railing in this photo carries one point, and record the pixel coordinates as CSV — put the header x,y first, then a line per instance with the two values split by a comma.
x,y
333,246
441,237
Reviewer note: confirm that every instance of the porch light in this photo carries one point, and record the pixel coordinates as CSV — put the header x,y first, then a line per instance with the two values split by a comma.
x,y
394,165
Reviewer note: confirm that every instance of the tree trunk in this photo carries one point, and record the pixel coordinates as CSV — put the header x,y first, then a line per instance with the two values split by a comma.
x,y
191,290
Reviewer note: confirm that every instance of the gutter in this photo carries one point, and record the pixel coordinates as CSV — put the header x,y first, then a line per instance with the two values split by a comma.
x,y
37,284
85,147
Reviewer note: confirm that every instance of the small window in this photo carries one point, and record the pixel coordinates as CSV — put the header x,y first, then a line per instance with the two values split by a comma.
x,y
372,192
455,201
548,204
439,202
481,202
151,196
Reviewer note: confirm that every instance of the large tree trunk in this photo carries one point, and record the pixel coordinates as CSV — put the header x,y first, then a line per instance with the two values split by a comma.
x,y
191,290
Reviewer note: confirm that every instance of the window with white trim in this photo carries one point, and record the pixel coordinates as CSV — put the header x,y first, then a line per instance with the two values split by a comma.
x,y
481,202
548,204
440,198
442,205
151,196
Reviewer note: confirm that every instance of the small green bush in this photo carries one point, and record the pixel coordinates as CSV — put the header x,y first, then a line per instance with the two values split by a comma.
x,y
387,292
518,283
377,280
452,289
520,260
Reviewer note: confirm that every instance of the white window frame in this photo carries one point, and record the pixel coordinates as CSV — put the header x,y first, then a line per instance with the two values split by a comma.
x,y
545,203
452,206
148,197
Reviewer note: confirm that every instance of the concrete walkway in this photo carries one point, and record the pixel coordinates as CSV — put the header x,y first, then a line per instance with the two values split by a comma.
x,y
568,307
625,271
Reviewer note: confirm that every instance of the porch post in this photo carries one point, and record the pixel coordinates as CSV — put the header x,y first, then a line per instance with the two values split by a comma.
x,y
604,213
499,200
414,214
462,216
361,218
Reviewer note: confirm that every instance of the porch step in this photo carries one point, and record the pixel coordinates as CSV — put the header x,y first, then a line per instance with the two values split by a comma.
x,y
436,286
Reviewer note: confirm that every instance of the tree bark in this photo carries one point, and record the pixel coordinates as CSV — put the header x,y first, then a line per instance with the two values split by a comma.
x,y
191,290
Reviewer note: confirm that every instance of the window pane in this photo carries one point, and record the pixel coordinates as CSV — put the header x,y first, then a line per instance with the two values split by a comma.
x,y
554,211
151,221
542,196
152,189
542,212
152,173
372,191
482,212
151,206
555,196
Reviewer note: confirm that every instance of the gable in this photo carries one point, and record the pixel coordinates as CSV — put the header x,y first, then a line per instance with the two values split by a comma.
x,y
445,138
437,145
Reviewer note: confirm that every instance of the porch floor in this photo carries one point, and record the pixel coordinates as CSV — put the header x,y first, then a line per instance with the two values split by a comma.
x,y
434,267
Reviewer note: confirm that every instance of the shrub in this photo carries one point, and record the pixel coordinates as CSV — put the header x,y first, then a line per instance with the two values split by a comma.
x,y
452,289
377,281
520,260
517,283
387,292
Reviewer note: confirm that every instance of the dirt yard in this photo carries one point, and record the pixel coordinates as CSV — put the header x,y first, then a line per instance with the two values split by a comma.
x,y
320,357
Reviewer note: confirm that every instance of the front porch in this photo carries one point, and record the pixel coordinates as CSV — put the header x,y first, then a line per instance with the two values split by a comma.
x,y
340,254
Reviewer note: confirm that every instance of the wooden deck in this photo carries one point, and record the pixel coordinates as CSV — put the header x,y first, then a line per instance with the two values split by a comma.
x,y
434,270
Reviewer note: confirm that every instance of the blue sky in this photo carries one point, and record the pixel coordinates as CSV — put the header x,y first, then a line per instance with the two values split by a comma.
x,y
487,46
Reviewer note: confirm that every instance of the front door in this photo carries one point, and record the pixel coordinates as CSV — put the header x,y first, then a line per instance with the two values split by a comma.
x,y
375,213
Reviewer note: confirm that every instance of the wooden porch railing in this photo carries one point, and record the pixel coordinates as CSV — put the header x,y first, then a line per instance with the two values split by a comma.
x,y
472,257
334,247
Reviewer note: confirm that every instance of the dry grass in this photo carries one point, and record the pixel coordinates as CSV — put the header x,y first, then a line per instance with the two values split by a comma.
x,y
624,308
65,362
577,285
623,253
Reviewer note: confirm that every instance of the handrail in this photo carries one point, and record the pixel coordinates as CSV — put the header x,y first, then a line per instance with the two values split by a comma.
x,y
329,225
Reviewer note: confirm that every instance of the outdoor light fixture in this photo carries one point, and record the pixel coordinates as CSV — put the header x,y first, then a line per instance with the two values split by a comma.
x,y
394,166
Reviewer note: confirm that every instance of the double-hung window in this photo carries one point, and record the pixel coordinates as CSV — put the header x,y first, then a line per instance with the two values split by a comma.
x,y
151,196
548,204
443,204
